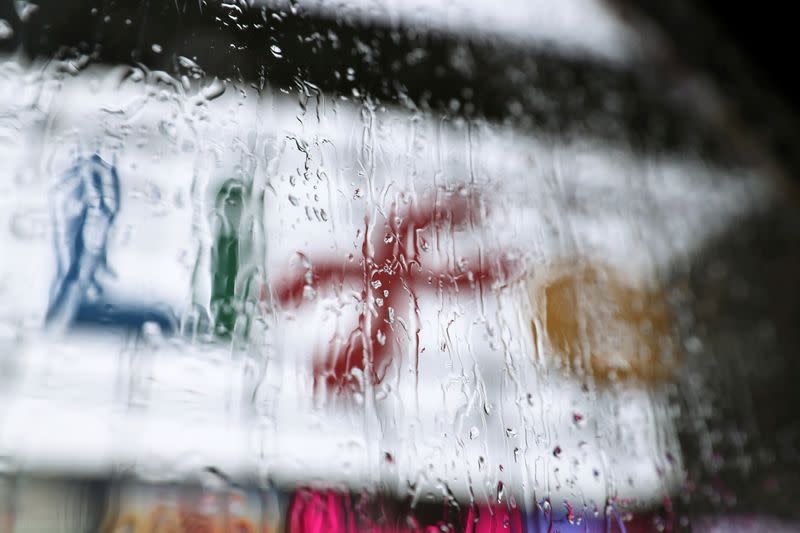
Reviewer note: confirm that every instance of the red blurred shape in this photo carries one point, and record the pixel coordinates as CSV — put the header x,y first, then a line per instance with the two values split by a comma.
x,y
390,274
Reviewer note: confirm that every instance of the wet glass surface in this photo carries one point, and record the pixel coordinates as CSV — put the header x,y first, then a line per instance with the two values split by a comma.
x,y
386,267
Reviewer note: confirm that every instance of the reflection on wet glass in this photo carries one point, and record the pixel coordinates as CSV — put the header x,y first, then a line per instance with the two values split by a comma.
x,y
280,300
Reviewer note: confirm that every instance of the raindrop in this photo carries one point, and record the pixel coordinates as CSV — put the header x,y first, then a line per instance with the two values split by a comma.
x,y
168,129
25,9
570,513
6,31
214,90
185,62
309,293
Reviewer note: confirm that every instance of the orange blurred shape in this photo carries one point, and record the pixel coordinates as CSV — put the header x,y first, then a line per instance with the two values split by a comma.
x,y
600,322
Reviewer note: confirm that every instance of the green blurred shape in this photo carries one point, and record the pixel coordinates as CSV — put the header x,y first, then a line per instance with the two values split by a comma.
x,y
225,260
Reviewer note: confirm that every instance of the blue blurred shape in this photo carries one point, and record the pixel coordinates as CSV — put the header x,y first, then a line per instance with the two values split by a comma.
x,y
85,201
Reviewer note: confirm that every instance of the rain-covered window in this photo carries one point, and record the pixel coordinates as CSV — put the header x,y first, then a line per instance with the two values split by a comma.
x,y
387,266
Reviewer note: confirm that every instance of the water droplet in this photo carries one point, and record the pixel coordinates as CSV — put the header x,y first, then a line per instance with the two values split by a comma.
x,y
276,51
309,293
25,9
214,90
570,513
6,31
474,433
185,62
168,129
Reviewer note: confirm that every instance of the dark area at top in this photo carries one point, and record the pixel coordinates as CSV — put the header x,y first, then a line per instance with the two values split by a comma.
x,y
532,88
